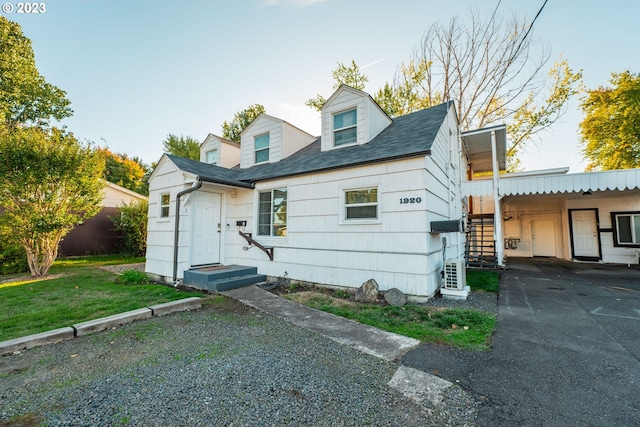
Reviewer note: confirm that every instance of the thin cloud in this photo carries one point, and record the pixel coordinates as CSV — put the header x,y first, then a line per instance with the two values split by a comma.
x,y
374,62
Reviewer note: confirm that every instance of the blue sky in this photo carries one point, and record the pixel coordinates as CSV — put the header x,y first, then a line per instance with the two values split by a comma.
x,y
136,71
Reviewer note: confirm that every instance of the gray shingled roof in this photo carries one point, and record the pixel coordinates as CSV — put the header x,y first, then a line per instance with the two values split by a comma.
x,y
408,136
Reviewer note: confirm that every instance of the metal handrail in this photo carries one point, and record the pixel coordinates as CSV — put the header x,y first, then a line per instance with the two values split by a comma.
x,y
249,238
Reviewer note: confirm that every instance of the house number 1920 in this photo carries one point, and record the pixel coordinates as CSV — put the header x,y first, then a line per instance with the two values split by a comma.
x,y
405,200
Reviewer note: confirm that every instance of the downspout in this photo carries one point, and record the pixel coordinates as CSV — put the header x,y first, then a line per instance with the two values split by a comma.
x,y
195,186
497,211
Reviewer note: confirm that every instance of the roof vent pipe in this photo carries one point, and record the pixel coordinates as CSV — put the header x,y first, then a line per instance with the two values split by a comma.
x,y
193,188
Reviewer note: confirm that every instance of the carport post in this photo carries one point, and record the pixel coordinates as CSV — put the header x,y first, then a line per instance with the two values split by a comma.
x,y
497,211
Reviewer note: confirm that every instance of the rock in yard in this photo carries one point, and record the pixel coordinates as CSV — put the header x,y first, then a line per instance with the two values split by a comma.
x,y
395,297
368,292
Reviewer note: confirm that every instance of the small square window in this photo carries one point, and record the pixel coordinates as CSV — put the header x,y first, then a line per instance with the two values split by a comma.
x,y
361,204
345,130
212,157
165,201
261,145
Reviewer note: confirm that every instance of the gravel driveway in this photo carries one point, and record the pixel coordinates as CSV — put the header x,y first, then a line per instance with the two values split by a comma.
x,y
223,365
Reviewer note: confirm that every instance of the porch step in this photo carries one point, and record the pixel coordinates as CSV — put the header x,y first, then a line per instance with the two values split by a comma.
x,y
222,278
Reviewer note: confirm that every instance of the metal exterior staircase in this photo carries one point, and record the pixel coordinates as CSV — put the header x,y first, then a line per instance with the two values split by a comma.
x,y
222,277
481,246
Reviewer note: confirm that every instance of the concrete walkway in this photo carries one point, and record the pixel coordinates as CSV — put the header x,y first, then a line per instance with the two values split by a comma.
x,y
385,345
565,352
417,385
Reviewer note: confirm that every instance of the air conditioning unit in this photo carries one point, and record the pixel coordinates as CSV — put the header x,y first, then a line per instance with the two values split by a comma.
x,y
455,275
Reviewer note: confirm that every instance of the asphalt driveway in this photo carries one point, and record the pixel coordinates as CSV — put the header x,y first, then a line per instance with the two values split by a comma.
x,y
566,349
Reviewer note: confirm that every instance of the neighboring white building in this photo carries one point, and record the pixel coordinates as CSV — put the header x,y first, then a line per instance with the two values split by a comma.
x,y
586,217
549,213
354,204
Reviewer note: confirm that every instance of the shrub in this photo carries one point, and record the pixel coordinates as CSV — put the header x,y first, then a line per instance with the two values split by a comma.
x,y
13,259
133,277
131,221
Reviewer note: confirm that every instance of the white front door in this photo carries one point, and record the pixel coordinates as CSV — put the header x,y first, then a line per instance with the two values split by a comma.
x,y
543,238
584,232
205,228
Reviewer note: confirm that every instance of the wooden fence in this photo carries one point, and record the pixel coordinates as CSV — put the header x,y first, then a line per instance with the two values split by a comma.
x,y
95,236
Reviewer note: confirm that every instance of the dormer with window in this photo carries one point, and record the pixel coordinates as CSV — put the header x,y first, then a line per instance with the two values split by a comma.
x,y
351,117
218,151
261,148
268,139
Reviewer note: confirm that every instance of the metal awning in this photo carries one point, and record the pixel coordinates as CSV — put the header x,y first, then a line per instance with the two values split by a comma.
x,y
560,183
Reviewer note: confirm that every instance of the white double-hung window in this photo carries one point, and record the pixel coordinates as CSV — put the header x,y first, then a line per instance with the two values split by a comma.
x,y
272,212
345,129
361,205
261,146
165,202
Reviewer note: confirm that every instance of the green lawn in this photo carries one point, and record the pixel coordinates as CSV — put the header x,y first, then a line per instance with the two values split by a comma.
x,y
460,327
82,293
483,280
463,328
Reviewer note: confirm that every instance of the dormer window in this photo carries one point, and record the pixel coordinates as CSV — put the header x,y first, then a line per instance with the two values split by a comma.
x,y
261,145
345,130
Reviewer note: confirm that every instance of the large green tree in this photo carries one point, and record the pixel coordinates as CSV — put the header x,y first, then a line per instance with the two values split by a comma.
x,y
242,119
25,96
183,146
49,182
611,127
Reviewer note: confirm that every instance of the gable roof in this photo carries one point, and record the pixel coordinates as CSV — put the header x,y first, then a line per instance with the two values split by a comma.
x,y
221,139
346,88
207,172
407,136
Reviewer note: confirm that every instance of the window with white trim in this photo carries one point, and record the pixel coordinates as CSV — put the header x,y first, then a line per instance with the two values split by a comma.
x,y
165,202
626,228
212,157
361,204
272,212
261,146
345,129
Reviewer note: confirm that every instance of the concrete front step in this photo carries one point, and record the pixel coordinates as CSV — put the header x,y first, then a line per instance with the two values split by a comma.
x,y
222,278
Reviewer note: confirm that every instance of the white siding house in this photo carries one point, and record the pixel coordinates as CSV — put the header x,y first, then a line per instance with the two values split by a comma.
x,y
355,204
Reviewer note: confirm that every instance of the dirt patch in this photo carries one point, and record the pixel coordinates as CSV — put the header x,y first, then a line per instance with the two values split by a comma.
x,y
118,269
305,296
